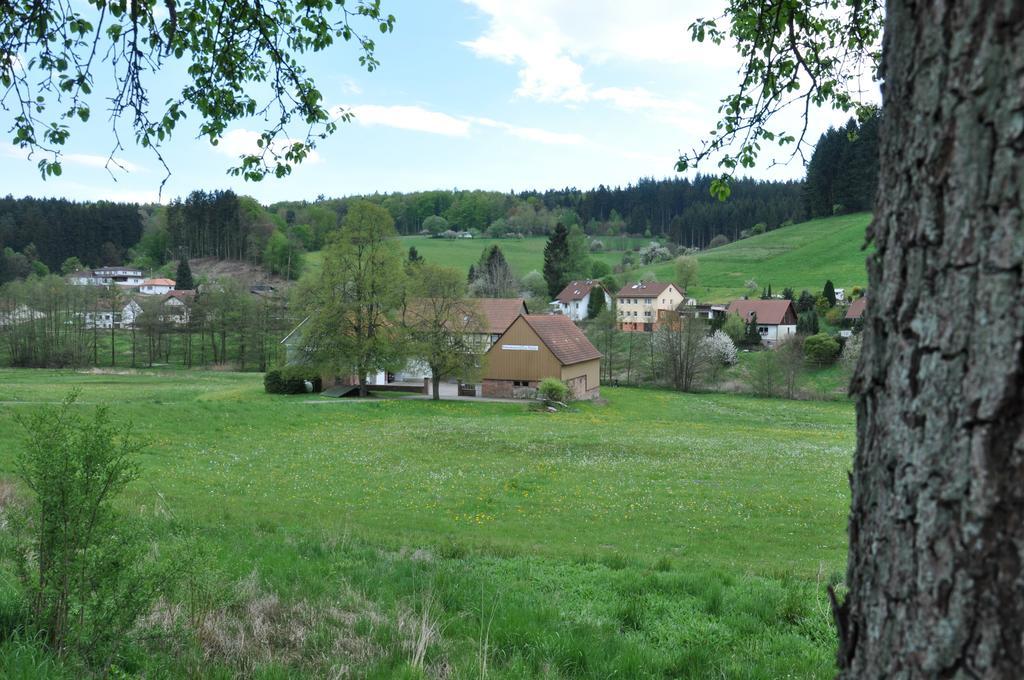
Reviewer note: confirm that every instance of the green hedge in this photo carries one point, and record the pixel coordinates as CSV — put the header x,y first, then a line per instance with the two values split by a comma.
x,y
291,380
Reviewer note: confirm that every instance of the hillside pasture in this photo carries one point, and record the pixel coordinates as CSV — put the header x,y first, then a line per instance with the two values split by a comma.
x,y
655,534
800,256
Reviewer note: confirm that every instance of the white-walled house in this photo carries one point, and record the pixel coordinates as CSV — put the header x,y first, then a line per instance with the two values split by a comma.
x,y
177,305
574,300
156,286
776,319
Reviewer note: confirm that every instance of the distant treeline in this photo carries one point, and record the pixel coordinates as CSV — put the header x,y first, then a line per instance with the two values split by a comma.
x,y
679,209
50,230
843,171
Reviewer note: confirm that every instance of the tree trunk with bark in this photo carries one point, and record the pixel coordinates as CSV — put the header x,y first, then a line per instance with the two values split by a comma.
x,y
936,586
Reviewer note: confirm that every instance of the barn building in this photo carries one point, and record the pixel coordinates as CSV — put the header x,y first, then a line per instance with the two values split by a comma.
x,y
535,347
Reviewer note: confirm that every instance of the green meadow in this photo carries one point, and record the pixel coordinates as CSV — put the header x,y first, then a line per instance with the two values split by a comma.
x,y
800,256
655,535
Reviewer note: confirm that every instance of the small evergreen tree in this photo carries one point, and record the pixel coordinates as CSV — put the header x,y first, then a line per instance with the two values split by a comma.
x,y
596,303
787,293
805,302
556,258
830,293
183,279
769,291
807,323
752,338
414,256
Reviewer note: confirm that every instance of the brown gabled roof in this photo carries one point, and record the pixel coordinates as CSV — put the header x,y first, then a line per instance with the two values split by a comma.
x,y
771,312
185,296
564,338
158,282
499,313
575,290
856,309
643,289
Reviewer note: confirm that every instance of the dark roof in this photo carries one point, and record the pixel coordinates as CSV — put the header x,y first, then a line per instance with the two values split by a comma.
x,y
856,309
499,313
575,290
643,289
771,312
183,295
564,338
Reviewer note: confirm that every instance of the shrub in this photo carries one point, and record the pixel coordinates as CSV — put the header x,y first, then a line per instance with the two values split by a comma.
x,y
291,380
734,327
719,240
87,573
599,269
821,349
759,228
835,316
553,390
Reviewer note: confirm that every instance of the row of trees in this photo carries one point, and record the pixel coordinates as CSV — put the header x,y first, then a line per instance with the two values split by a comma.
x,y
679,209
46,322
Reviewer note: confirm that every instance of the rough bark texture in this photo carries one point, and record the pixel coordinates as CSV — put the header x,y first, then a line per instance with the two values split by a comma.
x,y
937,523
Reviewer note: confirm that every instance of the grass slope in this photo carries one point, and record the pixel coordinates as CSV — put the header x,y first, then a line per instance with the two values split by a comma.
x,y
658,534
800,256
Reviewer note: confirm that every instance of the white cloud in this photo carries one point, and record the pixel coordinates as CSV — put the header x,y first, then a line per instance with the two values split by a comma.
x,y
83,159
419,119
349,86
531,133
409,118
553,40
242,142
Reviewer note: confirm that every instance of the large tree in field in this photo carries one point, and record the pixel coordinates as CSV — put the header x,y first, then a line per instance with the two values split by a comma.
x,y
353,324
936,573
52,52
442,324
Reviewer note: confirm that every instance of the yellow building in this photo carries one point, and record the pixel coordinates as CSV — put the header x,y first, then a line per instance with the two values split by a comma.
x,y
637,304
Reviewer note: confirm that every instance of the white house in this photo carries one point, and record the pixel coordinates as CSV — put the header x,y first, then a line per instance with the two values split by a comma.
x,y
156,286
104,276
574,300
776,319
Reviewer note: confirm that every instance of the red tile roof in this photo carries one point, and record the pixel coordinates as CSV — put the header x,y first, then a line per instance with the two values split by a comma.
x,y
575,290
856,309
499,313
643,289
158,282
771,312
564,338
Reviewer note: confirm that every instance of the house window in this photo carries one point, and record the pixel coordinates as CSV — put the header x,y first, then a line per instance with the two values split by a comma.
x,y
763,330
520,383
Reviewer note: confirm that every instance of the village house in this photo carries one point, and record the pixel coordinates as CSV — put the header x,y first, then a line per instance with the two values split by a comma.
x,y
574,300
156,286
535,347
853,315
638,304
105,276
177,306
776,319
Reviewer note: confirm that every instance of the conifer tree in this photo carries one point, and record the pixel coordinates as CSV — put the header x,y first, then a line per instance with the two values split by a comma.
x,y
830,293
556,256
183,279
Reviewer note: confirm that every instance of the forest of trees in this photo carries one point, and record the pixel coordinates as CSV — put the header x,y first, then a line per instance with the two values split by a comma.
x,y
50,230
843,171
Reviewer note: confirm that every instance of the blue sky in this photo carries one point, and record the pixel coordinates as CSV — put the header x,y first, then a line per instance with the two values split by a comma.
x,y
486,94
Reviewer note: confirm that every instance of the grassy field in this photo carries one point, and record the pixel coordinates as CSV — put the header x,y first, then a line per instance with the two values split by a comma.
x,y
800,256
656,535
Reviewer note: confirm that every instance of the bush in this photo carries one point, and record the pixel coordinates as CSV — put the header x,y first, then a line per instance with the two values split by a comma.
x,y
87,573
719,240
821,349
851,352
291,380
553,390
835,316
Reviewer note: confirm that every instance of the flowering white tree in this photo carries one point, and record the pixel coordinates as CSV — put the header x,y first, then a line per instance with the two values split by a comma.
x,y
721,347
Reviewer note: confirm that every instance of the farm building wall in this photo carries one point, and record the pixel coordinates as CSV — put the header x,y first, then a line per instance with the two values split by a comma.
x,y
521,355
583,379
